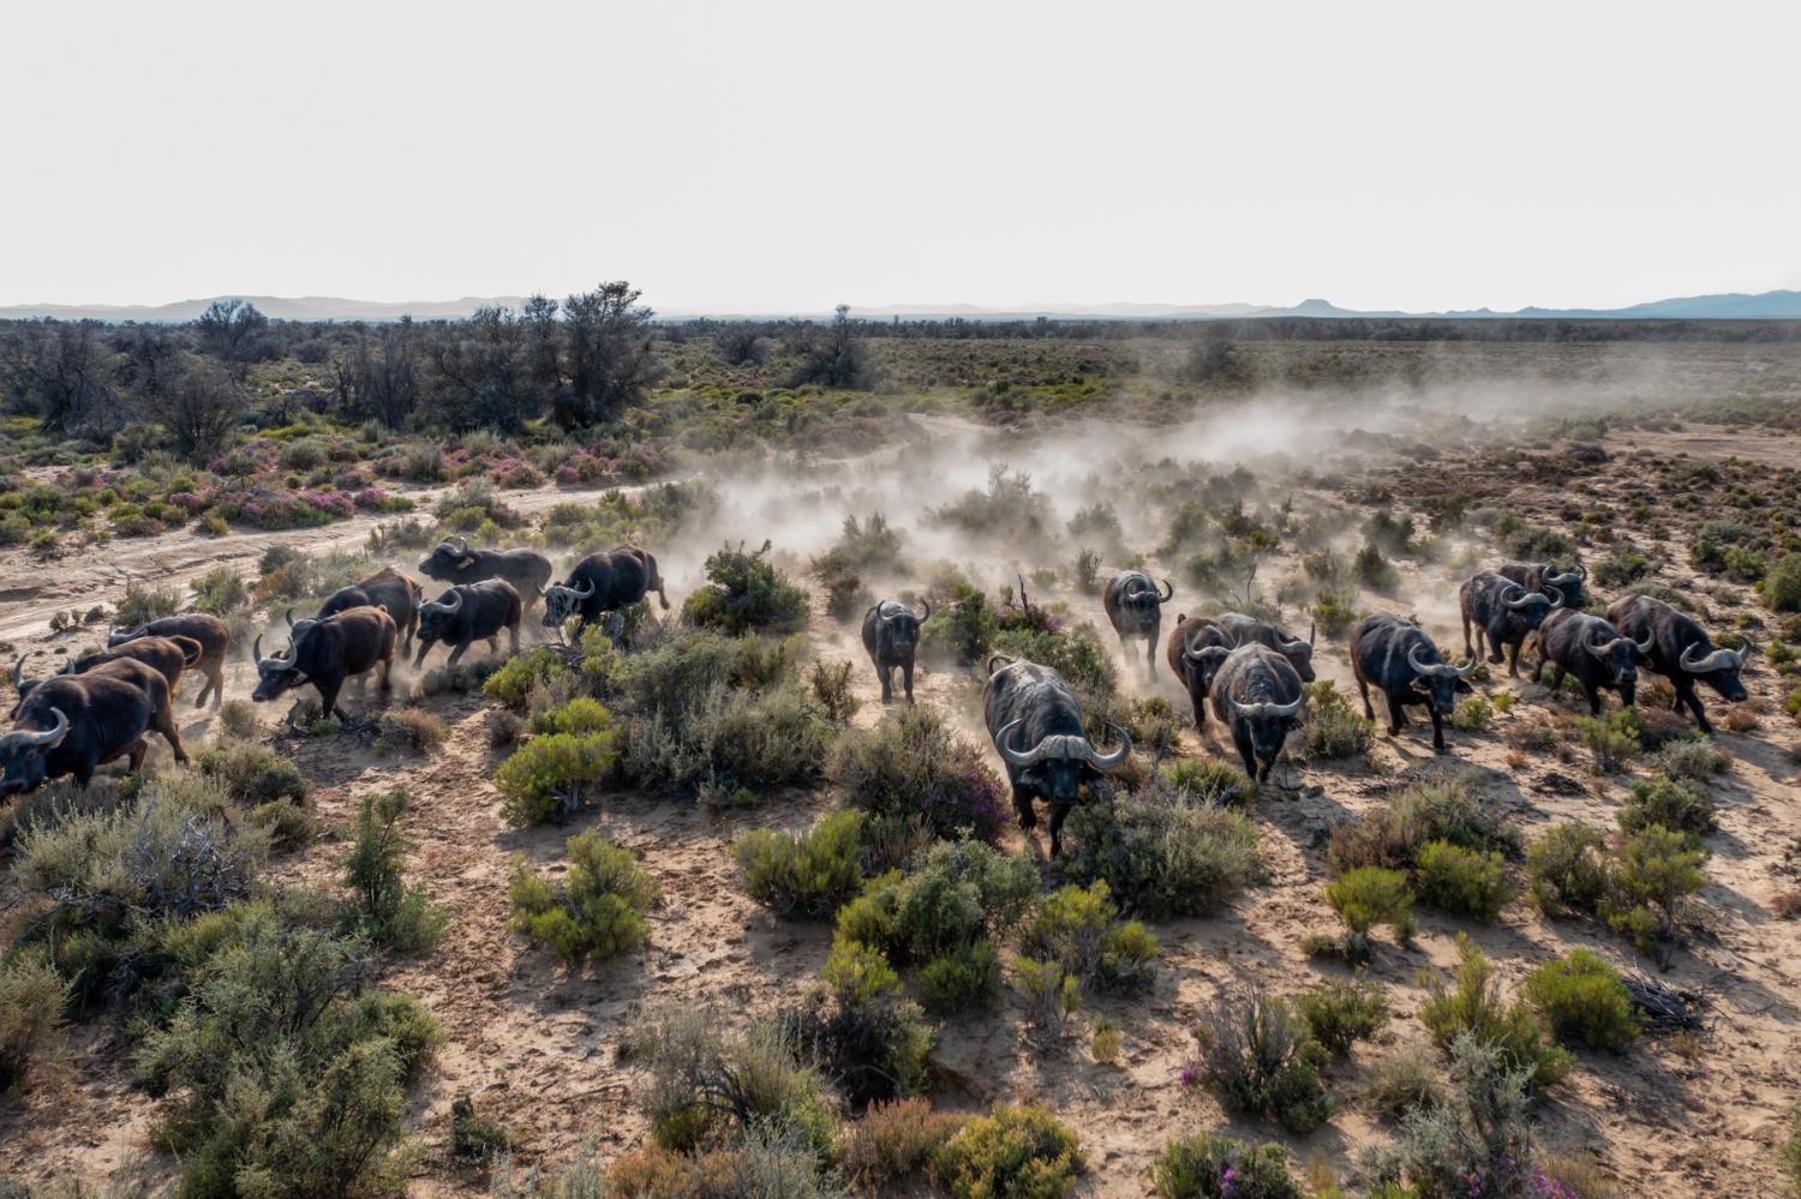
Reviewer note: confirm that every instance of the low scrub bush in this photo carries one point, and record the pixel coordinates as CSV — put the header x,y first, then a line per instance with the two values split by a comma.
x,y
1051,995
1781,587
1257,1059
894,1142
512,683
32,997
1078,928
1462,882
1693,761
1611,739
1670,803
253,775
1472,715
549,775
1404,1081
1021,1152
808,875
473,1139
1215,1166
1585,1001
861,1029
1472,1004
746,594
1333,727
1335,608
1393,835
219,592
1655,872
1337,1015
1366,897
143,604
1163,860
1206,782
1374,571
1566,870
595,911
735,742
237,719
410,730
391,913
831,684
914,763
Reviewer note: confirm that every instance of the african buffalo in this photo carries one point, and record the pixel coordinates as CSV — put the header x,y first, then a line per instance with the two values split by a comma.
x,y
1135,608
891,635
1681,651
1398,657
168,656
1599,655
1248,630
1504,612
1257,695
605,581
212,634
327,652
72,723
1196,649
468,613
386,589
454,562
1036,724
1542,576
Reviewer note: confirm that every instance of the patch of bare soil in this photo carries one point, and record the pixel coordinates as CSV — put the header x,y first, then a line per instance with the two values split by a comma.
x,y
535,1044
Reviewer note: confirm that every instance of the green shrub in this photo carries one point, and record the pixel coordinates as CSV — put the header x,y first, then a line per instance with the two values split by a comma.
x,y
253,775
32,997
1163,860
1656,870
962,626
411,730
1473,1005
1375,571
1611,738
237,718
279,1073
513,682
1401,1082
1333,728
1335,608
580,716
1781,587
1078,928
832,687
1078,654
1462,882
1585,1000
597,909
1020,1152
1366,897
1256,1057
1199,781
219,591
1472,715
809,875
746,594
708,1084
1477,1142
1337,1015
1215,1166
894,1142
861,1029
912,762
473,1139
1674,805
1693,761
144,604
1566,870
1050,992
1392,836
1790,1150
734,741
547,776
385,908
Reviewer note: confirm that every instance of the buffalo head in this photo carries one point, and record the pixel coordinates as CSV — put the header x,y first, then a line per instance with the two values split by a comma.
x,y
451,557
24,754
1718,668
1056,766
1436,681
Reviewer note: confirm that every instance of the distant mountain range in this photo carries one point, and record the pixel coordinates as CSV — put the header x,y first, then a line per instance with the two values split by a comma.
x,y
1739,306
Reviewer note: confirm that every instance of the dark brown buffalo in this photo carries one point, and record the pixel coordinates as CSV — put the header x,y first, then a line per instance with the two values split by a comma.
x,y
1599,655
1257,694
454,562
212,634
168,656
1505,613
1397,656
327,652
1035,721
467,613
1196,649
891,637
1248,630
387,589
1542,576
604,581
1681,651
1134,607
71,724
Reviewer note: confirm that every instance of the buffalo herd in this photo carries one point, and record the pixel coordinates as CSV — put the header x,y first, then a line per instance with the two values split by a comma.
x,y
1252,672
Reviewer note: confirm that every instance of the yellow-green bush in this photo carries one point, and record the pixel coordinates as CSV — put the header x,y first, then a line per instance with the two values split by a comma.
x,y
598,908
547,776
1021,1152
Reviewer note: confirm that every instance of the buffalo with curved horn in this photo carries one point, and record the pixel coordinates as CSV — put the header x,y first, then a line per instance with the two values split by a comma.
x,y
325,653
1258,696
1594,651
1398,657
168,656
1681,651
1542,576
1196,649
452,561
71,724
468,613
891,637
1504,612
1248,630
1134,607
1035,721
387,589
604,581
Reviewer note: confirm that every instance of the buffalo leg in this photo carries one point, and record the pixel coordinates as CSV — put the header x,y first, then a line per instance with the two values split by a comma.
x,y
1513,660
424,649
494,646
1022,808
1687,695
1438,729
1369,713
1469,649
456,654
1397,719
513,634
165,724
1150,656
1200,712
1058,813
1558,674
1594,698
134,762
1243,742
907,677
887,676
328,698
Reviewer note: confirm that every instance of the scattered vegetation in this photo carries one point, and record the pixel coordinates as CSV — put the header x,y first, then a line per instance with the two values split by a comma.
x,y
595,911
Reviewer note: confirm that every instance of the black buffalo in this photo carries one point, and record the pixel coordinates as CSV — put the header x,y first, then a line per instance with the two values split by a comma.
x,y
1681,651
891,635
1599,655
1248,630
468,613
1135,608
71,724
1257,695
1196,649
454,562
386,589
212,634
1504,612
1399,658
1542,576
605,581
1036,724
327,652
168,656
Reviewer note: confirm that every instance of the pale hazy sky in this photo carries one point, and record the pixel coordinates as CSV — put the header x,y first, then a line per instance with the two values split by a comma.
x,y
767,156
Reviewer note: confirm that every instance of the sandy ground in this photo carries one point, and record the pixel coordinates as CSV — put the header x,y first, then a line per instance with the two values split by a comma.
x,y
534,1043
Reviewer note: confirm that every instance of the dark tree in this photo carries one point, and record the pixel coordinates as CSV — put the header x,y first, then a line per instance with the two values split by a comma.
x,y
610,365
232,331
835,358
64,374
198,407
378,376
481,372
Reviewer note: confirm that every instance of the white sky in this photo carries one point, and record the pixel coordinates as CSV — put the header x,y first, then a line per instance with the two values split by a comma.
x,y
780,156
